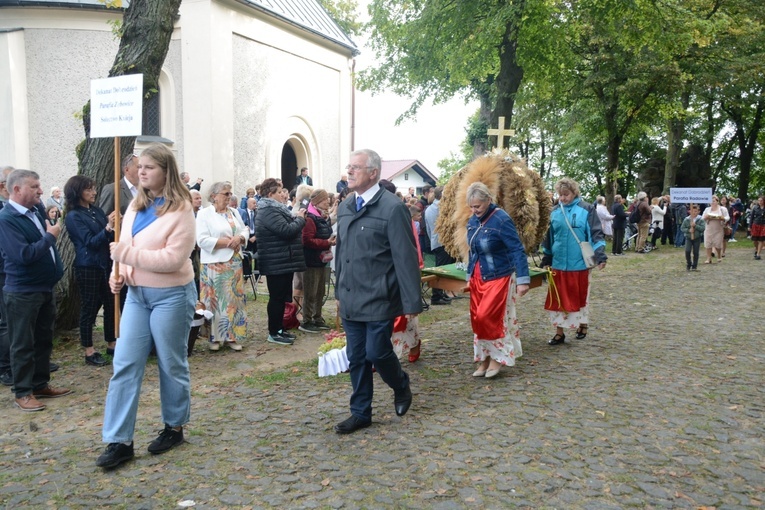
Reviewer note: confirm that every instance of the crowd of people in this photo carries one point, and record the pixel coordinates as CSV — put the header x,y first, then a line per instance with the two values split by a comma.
x,y
178,261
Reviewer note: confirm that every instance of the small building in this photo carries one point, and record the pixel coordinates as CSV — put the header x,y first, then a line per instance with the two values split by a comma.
x,y
407,173
249,88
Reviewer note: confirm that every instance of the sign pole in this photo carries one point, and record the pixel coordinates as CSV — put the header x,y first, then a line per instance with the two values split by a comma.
x,y
117,222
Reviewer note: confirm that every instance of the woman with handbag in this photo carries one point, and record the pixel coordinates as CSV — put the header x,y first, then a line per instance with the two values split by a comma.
x,y
498,272
574,225
317,242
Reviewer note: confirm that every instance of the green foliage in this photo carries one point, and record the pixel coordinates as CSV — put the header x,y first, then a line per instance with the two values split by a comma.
x,y
345,14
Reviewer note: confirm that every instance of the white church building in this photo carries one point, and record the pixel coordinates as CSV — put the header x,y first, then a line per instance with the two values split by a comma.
x,y
249,89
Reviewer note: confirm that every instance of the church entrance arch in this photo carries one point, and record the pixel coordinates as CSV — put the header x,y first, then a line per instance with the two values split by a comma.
x,y
292,145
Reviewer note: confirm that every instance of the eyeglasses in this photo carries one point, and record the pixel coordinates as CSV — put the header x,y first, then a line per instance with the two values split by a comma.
x,y
356,168
226,194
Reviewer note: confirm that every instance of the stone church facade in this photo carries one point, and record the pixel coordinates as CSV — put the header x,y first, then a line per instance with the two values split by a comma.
x,y
249,89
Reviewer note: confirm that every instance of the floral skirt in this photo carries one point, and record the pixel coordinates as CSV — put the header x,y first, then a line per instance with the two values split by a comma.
x,y
221,289
406,335
569,298
496,332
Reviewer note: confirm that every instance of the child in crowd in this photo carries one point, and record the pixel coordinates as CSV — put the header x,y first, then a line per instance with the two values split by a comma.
x,y
693,227
201,314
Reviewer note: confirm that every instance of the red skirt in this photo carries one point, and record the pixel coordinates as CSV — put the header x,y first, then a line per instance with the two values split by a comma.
x,y
488,303
572,287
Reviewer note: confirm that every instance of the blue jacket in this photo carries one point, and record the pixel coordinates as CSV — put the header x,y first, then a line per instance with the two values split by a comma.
x,y
496,246
560,249
87,230
29,266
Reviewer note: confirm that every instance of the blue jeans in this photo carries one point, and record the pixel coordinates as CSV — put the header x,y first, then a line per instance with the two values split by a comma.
x,y
152,316
368,344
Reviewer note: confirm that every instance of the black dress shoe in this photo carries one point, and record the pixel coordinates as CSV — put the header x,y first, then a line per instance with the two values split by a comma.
x,y
351,425
96,360
6,378
402,401
437,302
53,367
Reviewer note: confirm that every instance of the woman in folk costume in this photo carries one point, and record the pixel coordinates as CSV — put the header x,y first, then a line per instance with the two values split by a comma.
x,y
569,291
406,332
497,272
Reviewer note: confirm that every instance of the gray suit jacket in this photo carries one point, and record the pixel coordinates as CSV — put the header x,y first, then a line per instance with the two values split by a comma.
x,y
106,197
378,272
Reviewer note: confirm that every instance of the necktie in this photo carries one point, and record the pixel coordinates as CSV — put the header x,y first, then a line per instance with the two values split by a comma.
x,y
359,203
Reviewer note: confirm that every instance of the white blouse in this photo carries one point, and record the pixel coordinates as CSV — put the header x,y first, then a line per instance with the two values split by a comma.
x,y
211,226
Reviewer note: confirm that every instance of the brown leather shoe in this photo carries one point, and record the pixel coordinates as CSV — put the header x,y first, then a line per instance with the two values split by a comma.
x,y
29,403
51,392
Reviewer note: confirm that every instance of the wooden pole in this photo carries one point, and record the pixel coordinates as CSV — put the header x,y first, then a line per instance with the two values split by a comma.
x,y
117,223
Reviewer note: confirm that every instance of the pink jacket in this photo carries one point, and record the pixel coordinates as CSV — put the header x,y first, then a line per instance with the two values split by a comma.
x,y
159,255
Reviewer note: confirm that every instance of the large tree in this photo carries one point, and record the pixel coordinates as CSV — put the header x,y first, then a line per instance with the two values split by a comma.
x,y
144,41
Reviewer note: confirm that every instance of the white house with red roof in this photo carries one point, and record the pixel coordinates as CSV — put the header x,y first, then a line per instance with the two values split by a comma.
x,y
407,173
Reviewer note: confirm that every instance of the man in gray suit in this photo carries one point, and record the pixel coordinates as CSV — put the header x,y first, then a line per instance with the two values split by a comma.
x,y
378,279
128,189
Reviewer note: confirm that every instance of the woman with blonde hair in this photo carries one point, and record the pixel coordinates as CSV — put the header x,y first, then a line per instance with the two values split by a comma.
x,y
221,236
153,256
572,221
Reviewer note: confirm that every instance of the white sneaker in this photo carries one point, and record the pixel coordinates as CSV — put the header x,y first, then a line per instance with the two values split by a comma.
x,y
732,241
213,346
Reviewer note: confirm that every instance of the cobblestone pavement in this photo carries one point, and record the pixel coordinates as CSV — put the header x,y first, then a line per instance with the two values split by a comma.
x,y
661,406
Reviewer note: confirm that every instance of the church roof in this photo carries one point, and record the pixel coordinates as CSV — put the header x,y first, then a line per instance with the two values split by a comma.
x,y
305,14
393,168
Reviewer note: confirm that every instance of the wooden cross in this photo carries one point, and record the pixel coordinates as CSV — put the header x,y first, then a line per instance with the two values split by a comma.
x,y
501,133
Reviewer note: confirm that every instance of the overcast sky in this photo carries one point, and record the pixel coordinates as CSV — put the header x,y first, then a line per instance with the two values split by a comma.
x,y
437,130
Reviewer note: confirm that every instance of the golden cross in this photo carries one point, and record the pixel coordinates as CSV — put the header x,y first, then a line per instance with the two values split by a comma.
x,y
501,133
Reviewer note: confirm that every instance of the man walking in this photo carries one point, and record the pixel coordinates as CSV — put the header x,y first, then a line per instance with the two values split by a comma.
x,y
32,268
378,279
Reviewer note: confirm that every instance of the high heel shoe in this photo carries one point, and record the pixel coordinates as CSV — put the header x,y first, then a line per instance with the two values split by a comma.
x,y
414,357
581,331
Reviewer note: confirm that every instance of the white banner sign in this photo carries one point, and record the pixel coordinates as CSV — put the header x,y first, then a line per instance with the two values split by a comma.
x,y
690,195
116,106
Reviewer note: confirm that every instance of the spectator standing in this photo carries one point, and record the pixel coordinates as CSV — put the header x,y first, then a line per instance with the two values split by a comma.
x,y
32,268
737,212
443,258
757,221
304,178
668,229
317,242
6,377
342,183
55,199
153,255
619,225
644,224
186,179
221,235
91,231
128,187
280,254
658,211
679,213
248,218
606,219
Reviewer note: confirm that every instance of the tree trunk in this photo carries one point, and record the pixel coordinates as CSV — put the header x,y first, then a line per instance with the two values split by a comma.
x,y
675,133
615,138
510,73
480,144
747,142
147,26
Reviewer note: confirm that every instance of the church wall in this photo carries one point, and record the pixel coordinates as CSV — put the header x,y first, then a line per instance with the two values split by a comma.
x,y
60,65
273,91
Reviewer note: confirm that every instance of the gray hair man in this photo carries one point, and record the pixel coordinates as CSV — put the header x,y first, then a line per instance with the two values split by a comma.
x,y
378,279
